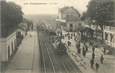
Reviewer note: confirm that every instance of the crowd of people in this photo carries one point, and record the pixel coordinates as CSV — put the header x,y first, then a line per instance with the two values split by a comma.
x,y
83,51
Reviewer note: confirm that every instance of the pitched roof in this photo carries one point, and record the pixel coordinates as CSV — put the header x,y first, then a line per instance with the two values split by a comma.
x,y
62,10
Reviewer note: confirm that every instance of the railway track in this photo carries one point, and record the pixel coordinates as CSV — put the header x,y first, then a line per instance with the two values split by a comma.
x,y
52,63
46,56
68,65
46,62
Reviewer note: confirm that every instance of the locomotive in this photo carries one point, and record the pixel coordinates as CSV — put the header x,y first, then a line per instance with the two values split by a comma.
x,y
61,49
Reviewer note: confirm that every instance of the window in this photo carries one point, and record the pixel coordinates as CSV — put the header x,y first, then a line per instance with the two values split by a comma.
x,y
71,25
12,46
111,37
8,51
106,36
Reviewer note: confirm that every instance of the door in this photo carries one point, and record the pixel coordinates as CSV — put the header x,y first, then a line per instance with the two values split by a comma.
x,y
71,27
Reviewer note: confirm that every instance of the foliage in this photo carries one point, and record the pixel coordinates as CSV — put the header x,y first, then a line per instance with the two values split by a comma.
x,y
11,16
84,16
29,24
101,11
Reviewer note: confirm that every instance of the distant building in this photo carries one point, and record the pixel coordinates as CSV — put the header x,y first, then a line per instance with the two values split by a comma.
x,y
69,19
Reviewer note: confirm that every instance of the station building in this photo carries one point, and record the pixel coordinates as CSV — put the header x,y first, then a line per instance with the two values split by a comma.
x,y
68,19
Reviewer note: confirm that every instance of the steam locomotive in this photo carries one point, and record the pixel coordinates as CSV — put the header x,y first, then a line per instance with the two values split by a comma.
x,y
61,49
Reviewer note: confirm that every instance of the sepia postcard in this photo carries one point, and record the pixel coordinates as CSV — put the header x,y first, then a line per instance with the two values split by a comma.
x,y
57,36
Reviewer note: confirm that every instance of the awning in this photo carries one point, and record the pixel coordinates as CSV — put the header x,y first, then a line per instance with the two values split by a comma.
x,y
110,23
86,29
61,20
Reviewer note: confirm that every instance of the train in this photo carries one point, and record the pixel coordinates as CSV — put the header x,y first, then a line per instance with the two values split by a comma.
x,y
61,49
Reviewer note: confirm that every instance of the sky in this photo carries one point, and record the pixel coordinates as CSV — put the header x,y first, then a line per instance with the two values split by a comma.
x,y
49,6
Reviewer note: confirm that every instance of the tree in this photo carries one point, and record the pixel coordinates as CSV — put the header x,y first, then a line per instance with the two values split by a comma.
x,y
102,11
84,16
29,25
11,16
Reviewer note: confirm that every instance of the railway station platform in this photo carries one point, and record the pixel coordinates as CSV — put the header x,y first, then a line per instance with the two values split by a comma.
x,y
24,59
84,62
